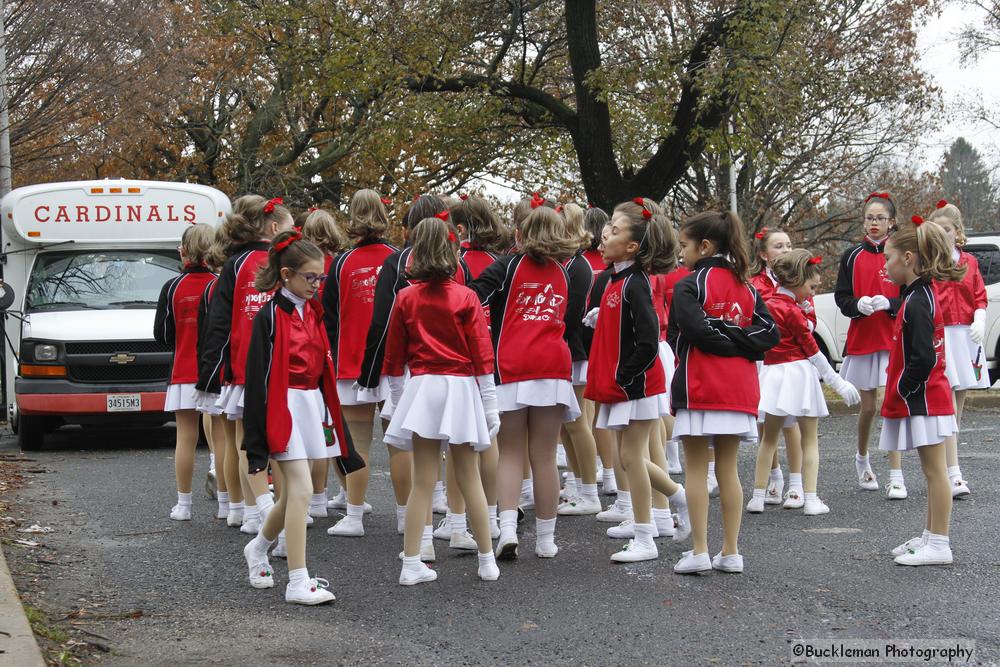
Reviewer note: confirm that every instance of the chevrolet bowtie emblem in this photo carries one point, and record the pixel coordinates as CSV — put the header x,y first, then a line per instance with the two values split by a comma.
x,y
122,358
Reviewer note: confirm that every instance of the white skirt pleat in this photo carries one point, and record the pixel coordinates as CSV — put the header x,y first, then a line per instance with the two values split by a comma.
x,y
439,407
579,373
179,397
307,440
902,434
960,355
715,422
350,393
866,371
540,394
231,401
792,389
208,404
669,362
616,416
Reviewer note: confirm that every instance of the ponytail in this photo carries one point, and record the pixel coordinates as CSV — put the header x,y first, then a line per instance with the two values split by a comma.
x,y
725,231
288,251
653,232
931,246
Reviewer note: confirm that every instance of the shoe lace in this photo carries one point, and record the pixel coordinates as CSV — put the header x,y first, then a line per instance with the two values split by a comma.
x,y
443,523
316,582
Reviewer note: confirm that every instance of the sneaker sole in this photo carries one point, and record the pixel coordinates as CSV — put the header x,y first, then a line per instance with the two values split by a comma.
x,y
698,571
490,578
507,551
633,560
261,585
546,554
926,562
341,534
414,582
728,570
961,494
310,603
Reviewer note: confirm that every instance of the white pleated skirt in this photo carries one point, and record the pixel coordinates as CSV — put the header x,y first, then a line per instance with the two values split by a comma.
x,y
180,397
231,401
439,407
669,362
900,435
866,371
961,356
579,373
616,416
351,395
792,389
715,422
538,394
208,404
307,440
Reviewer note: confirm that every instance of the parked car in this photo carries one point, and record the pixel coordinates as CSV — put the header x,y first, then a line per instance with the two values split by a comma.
x,y
831,325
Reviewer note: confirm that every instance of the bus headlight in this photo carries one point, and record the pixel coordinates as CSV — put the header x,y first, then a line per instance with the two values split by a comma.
x,y
46,352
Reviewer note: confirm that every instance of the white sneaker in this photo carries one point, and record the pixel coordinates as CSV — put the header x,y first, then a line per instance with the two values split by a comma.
x,y
221,513
318,511
546,549
250,526
443,530
815,506
427,553
895,491
756,505
925,555
408,577
309,520
713,489
506,548
180,512
339,502
488,571
566,495
868,481
913,543
634,551
664,528
793,500
561,456
235,518
211,484
494,529
463,541
261,574
692,564
280,549
959,488
314,591
347,527
609,486
682,526
614,514
623,531
773,494
440,503
579,507
526,501
733,563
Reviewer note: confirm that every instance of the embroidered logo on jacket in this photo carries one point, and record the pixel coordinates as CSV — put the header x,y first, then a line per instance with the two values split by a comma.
x,y
536,303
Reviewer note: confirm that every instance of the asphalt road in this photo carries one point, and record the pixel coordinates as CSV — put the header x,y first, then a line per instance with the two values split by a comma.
x,y
114,553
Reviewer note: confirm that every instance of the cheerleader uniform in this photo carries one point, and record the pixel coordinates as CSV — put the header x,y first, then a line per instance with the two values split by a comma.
x,y
718,327
477,260
438,331
206,403
918,408
176,324
626,377
234,304
958,301
596,260
528,303
581,278
349,299
869,338
663,294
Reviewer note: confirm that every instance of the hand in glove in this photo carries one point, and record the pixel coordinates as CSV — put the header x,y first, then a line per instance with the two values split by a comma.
x,y
847,391
865,306
977,330
806,306
590,319
396,385
879,302
488,392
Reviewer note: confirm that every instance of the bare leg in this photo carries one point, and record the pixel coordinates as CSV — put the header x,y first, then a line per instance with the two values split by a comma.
x,y
658,457
543,432
257,483
426,464
232,461
932,460
217,435
510,469
320,470
793,448
400,469
810,453
187,441
634,449
489,459
466,463
730,492
606,448
584,445
960,395
866,415
767,449
696,456
456,501
360,422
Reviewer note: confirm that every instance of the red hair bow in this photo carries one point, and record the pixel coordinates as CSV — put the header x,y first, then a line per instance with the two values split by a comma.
x,y
284,243
537,200
761,234
646,213
452,237
385,201
271,203
917,220
590,204
877,195
559,208
313,208
443,216
942,203
816,260
463,197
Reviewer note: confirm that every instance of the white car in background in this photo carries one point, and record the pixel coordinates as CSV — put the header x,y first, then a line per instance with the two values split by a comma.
x,y
831,324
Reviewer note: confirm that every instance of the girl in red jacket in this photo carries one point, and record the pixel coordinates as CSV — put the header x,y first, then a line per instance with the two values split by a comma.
x,y
865,294
667,285
963,305
438,331
719,327
176,324
625,376
290,396
919,410
249,230
595,219
528,295
790,379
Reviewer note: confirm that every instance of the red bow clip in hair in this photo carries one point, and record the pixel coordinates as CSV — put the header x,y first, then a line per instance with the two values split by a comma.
x,y
559,208
536,200
313,209
816,260
463,197
941,203
271,203
443,216
646,213
385,201
452,237
590,204
761,234
877,195
917,220
280,246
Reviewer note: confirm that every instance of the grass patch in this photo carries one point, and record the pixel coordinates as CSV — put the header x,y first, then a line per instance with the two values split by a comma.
x,y
40,625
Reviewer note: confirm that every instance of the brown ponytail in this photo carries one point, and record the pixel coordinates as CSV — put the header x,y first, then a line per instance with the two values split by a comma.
x,y
725,230
933,250
655,235
288,251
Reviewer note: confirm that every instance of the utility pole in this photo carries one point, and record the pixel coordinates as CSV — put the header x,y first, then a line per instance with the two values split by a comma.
x,y
732,171
5,164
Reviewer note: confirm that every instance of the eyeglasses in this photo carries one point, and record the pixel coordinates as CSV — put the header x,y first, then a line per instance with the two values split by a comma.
x,y
880,219
311,278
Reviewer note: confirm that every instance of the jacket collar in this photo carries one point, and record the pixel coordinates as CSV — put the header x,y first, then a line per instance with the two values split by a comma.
x,y
714,261
195,268
287,305
870,246
919,282
373,241
627,271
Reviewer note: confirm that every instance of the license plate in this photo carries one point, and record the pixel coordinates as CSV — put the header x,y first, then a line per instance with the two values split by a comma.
x,y
124,402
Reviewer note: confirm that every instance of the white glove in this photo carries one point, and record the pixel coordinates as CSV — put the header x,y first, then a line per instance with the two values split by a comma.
x,y
977,330
203,399
488,392
879,302
396,385
847,391
806,306
590,319
865,306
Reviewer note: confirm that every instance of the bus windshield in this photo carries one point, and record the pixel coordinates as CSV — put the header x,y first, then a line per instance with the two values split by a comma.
x,y
101,280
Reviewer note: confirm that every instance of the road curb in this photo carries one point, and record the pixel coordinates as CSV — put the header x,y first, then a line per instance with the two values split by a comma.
x,y
17,641
979,399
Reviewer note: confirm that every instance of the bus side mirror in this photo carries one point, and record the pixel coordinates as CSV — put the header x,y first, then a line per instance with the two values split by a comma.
x,y
6,296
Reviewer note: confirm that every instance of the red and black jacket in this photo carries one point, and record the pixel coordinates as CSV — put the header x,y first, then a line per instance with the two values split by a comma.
x,y
959,300
718,327
391,279
289,351
596,261
624,360
477,260
230,317
862,273
176,321
797,342
349,299
327,266
601,281
203,308
528,302
581,278
916,383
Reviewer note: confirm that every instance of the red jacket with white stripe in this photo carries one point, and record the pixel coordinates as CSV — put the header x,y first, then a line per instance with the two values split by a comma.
x,y
477,260
797,342
176,321
624,360
862,273
916,384
596,260
528,302
719,327
958,300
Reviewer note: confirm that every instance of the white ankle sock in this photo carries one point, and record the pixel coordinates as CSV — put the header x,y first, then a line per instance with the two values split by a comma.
x,y
795,481
644,532
211,461
673,452
356,511
588,491
711,468
260,545
625,500
545,529
776,476
412,563
662,516
184,498
527,488
251,512
299,577
223,497
861,463
759,493
237,506
487,559
896,475
458,523
811,496
400,513
938,541
954,472
491,512
265,502
607,475
318,499
508,522
427,537
679,500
